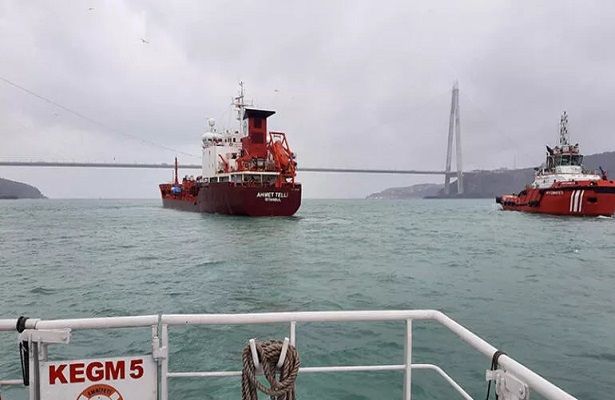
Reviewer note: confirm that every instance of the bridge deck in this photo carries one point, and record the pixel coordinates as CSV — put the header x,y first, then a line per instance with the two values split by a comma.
x,y
197,166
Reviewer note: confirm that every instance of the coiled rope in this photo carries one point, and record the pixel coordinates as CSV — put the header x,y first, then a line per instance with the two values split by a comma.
x,y
268,355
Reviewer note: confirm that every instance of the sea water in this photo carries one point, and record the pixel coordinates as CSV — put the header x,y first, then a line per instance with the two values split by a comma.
x,y
540,288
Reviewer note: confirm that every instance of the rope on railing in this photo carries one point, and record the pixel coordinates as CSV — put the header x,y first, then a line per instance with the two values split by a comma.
x,y
268,356
494,366
24,351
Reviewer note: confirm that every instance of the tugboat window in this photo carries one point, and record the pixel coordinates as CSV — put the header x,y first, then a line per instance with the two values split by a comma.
x,y
577,160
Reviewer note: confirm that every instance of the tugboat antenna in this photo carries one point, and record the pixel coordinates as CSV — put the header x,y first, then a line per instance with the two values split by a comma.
x,y
563,130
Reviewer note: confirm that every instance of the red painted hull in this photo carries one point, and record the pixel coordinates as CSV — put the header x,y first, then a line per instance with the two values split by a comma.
x,y
224,198
577,200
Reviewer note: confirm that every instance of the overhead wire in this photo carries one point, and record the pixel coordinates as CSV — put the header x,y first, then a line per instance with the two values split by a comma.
x,y
505,134
91,120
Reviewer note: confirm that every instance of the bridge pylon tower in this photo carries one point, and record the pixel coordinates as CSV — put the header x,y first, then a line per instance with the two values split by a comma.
x,y
454,127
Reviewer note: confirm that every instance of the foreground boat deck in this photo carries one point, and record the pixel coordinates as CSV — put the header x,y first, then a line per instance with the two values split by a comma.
x,y
146,376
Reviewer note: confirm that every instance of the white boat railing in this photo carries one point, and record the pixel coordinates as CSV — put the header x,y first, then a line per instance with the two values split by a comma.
x,y
513,381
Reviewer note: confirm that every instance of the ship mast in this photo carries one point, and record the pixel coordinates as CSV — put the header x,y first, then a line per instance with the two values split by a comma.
x,y
176,179
240,106
563,130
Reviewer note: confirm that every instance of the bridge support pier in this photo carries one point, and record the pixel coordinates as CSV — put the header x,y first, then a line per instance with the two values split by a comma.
x,y
454,127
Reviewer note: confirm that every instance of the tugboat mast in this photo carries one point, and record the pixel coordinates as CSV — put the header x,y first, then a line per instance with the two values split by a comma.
x,y
563,130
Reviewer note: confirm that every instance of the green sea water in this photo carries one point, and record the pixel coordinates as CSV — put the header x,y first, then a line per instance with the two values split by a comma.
x,y
540,288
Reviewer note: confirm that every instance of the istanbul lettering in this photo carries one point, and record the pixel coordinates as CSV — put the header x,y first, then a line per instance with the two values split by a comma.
x,y
272,196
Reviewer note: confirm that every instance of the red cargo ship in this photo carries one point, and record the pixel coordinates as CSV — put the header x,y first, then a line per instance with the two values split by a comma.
x,y
562,186
247,172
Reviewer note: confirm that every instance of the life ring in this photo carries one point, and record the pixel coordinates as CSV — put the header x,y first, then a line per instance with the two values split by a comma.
x,y
100,392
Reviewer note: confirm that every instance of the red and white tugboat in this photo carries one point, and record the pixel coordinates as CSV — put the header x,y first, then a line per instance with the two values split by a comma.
x,y
248,171
562,187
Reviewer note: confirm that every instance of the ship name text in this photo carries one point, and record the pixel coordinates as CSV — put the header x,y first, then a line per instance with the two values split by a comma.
x,y
272,196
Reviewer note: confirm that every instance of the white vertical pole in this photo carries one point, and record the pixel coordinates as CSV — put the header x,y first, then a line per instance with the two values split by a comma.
x,y
408,361
33,380
164,369
37,375
293,329
155,350
458,142
449,148
31,389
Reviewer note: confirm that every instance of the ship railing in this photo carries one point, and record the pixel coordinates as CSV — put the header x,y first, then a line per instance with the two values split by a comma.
x,y
512,379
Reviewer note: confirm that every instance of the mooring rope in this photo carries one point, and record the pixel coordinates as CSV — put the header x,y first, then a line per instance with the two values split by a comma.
x,y
24,352
268,355
494,366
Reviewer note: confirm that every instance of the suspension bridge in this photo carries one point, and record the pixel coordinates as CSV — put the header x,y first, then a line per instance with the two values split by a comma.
x,y
454,132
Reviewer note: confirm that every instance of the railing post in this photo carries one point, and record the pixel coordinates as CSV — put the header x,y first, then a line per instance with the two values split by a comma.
x,y
408,361
293,328
164,368
34,388
31,388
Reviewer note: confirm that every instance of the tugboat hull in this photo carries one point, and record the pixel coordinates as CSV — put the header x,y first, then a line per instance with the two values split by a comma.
x,y
578,201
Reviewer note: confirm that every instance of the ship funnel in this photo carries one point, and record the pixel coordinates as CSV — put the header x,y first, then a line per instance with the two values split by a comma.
x,y
256,141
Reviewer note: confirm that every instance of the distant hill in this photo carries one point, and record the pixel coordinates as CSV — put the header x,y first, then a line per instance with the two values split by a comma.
x,y
416,191
490,184
17,190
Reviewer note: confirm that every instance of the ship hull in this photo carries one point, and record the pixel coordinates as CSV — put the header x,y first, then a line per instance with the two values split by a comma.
x,y
225,198
576,201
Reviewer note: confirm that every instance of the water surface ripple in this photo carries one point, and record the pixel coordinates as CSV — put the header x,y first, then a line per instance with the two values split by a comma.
x,y
540,288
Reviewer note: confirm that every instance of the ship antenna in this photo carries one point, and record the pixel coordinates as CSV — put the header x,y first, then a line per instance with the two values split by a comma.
x,y
240,106
563,130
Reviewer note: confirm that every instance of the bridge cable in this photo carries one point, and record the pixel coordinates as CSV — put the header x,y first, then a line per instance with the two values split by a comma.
x,y
86,118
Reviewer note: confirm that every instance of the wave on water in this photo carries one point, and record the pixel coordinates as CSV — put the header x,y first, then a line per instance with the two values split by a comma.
x,y
542,285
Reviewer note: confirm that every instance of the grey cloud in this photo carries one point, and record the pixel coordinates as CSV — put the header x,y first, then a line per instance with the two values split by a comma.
x,y
359,84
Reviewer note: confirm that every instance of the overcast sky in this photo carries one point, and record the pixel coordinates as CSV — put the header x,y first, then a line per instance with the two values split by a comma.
x,y
356,84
